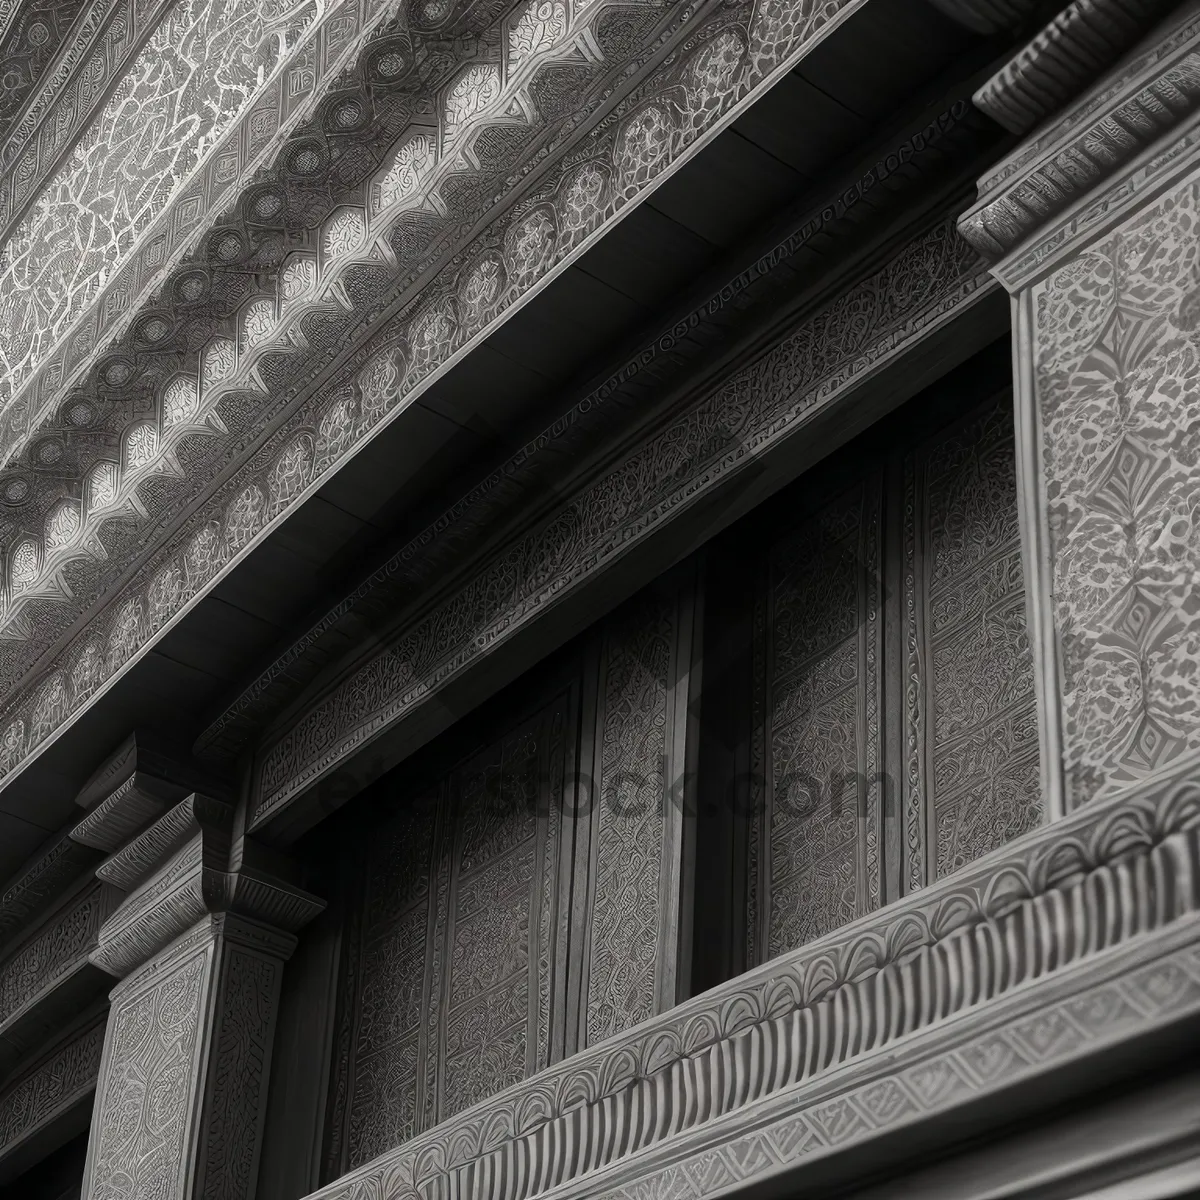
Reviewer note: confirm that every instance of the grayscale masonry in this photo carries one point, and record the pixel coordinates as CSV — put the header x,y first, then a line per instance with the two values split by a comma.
x,y
599,599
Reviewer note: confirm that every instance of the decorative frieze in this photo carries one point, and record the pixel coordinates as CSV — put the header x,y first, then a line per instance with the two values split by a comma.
x,y
597,169
762,404
49,876
60,1080
657,363
47,979
56,949
1078,935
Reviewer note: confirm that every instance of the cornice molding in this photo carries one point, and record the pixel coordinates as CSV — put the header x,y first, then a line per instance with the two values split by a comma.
x,y
1034,201
625,394
1082,41
658,108
740,418
1080,935
192,883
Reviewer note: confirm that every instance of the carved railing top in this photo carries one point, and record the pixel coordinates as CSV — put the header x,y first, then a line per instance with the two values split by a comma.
x,y
1100,886
1154,94
639,88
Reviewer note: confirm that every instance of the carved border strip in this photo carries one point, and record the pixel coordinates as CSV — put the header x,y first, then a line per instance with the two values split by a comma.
x,y
59,947
1100,895
926,284
61,1079
1129,992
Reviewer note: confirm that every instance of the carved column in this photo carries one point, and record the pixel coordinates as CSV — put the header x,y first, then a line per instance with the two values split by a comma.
x,y
200,949
1094,223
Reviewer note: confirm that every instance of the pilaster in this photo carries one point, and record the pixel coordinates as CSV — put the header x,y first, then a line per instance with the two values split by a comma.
x,y
199,947
1093,223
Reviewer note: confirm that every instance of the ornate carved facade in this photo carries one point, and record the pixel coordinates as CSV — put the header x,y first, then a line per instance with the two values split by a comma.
x,y
599,599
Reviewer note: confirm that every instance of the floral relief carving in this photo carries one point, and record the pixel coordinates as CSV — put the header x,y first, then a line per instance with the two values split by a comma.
x,y
1117,354
144,1095
536,239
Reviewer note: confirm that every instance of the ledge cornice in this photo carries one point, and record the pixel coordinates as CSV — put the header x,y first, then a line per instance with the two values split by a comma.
x,y
1152,97
622,397
1078,936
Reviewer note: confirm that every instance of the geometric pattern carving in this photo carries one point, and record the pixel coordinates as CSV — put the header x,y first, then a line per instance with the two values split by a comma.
x,y
815,741
971,772
1117,358
738,1080
759,405
454,954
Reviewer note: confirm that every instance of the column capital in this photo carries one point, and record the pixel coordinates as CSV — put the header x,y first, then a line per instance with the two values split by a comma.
x,y
1101,156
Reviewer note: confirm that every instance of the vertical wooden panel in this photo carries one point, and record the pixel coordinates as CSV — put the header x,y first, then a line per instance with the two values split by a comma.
x,y
816,743
632,940
458,939
972,767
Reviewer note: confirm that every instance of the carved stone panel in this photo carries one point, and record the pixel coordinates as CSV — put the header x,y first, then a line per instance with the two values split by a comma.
x,y
455,941
518,893
179,1100
971,731
55,1083
1116,345
816,738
